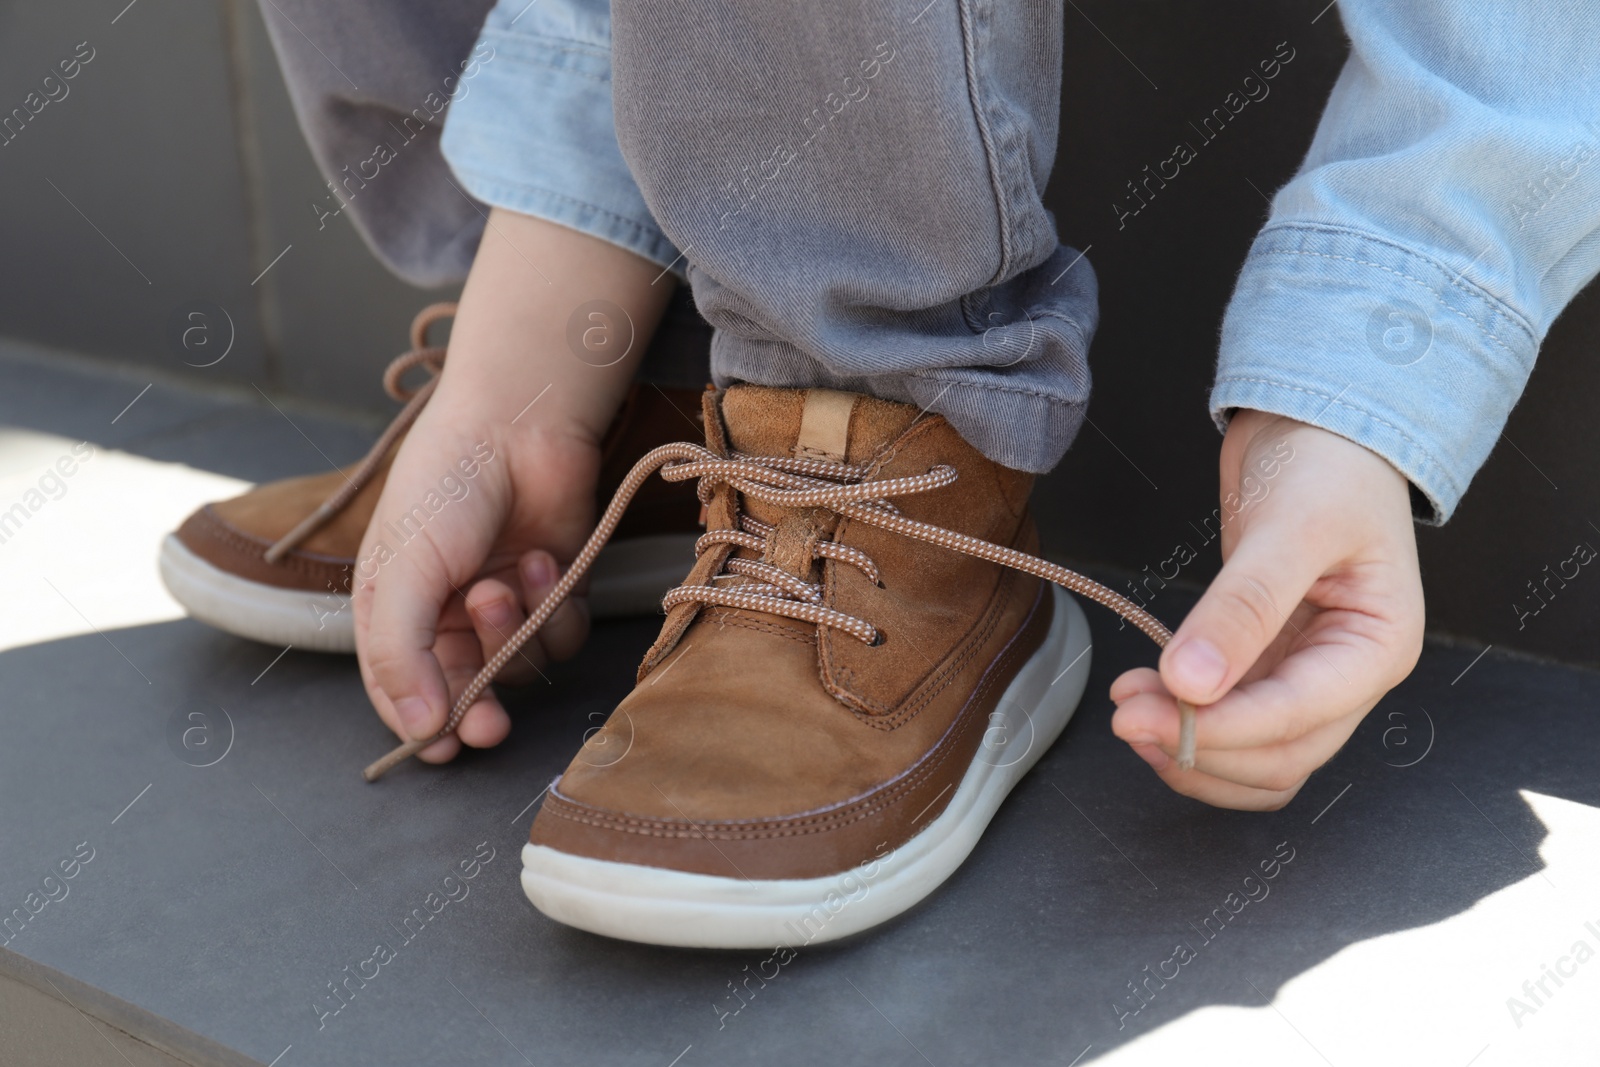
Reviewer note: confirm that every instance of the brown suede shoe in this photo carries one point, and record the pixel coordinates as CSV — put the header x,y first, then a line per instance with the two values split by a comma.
x,y
275,564
834,709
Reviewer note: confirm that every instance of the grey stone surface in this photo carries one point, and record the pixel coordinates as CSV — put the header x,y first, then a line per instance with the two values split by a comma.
x,y
227,897
240,432
61,393
221,900
260,442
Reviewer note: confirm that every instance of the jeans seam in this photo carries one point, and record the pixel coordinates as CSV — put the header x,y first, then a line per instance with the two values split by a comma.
x,y
564,44
1336,401
994,388
586,204
645,232
589,53
967,15
1455,283
1047,313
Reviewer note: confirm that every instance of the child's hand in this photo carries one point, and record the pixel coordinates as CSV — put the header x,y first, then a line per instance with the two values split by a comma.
x,y
432,606
440,603
1317,613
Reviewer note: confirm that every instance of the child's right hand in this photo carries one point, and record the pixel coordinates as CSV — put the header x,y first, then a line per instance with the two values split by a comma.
x,y
451,563
1316,614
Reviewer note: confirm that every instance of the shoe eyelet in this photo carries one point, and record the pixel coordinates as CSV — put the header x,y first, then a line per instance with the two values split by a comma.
x,y
879,638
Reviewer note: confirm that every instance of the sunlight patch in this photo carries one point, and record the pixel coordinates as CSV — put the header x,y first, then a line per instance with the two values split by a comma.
x,y
80,525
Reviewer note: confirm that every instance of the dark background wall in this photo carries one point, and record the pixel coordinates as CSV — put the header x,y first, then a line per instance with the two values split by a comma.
x,y
173,173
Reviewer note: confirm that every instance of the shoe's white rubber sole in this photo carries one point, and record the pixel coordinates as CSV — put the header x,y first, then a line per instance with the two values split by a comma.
x,y
321,622
628,578
665,907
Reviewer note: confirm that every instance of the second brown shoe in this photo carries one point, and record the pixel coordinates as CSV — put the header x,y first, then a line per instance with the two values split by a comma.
x,y
275,564
833,710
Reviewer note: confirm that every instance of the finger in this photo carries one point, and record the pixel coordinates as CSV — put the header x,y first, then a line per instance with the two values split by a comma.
x,y
1132,683
382,705
450,647
362,600
380,700
485,723
496,614
564,633
1282,767
397,654
1243,611
1339,669
441,751
1214,791
484,726
1273,767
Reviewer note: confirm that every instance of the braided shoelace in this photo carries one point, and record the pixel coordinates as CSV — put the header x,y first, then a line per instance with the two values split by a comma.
x,y
421,355
844,489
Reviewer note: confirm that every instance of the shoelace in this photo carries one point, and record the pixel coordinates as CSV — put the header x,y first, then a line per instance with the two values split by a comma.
x,y
845,489
422,355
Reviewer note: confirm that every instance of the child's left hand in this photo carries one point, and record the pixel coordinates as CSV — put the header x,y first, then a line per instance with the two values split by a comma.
x,y
1316,614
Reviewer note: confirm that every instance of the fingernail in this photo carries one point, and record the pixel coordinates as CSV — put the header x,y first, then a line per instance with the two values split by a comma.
x,y
415,716
497,613
541,571
1197,666
1152,755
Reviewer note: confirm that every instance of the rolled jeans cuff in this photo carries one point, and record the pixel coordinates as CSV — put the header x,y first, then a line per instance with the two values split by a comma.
x,y
1007,367
535,133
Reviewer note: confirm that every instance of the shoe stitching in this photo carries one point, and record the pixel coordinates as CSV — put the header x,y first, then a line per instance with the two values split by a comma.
x,y
834,676
976,637
297,561
745,622
838,818
889,718
974,642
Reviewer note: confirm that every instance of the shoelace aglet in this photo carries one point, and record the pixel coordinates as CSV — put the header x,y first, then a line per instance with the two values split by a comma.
x,y
379,767
1185,736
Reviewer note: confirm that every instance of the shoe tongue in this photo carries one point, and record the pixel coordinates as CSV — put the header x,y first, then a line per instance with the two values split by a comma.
x,y
814,423
762,422
821,424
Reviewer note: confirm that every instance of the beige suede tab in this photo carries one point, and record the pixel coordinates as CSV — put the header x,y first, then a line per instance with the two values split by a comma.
x,y
825,425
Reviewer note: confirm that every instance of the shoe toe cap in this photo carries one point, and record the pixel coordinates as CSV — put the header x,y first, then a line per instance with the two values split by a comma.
x,y
227,547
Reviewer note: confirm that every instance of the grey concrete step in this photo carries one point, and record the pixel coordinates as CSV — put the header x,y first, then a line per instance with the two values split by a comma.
x,y
1443,859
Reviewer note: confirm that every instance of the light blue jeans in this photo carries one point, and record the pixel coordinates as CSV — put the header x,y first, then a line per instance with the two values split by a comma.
x,y
853,191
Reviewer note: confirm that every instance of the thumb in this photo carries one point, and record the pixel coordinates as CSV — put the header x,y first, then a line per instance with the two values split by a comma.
x,y
1245,608
397,652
